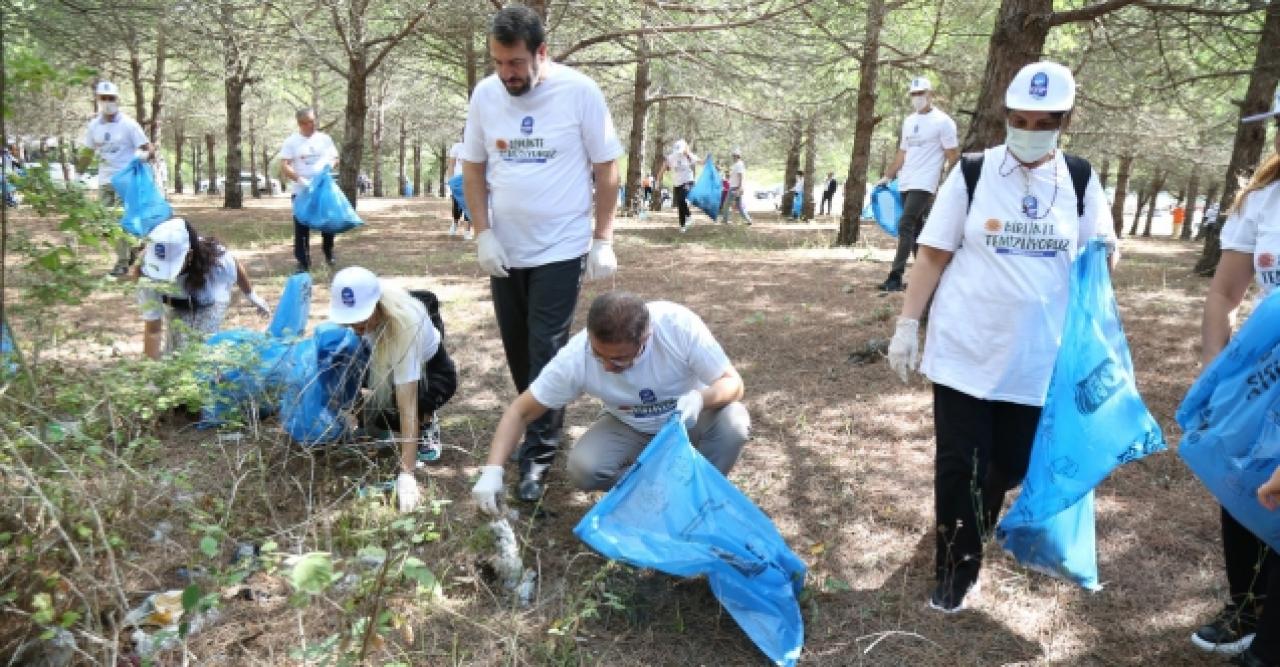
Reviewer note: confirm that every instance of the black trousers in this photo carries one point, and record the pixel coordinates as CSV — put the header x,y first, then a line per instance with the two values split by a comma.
x,y
1253,578
825,207
915,208
534,309
457,211
436,386
302,244
680,193
982,452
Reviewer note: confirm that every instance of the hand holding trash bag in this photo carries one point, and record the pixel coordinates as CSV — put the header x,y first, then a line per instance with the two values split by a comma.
x,y
690,406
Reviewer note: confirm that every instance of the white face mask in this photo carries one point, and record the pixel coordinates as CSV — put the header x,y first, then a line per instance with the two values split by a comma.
x,y
919,102
110,108
1030,145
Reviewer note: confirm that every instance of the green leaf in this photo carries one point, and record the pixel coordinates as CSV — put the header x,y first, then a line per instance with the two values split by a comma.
x,y
190,598
418,571
209,546
42,603
312,573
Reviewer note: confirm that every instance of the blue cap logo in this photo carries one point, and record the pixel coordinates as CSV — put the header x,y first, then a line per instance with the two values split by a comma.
x,y
348,297
1039,85
526,125
648,396
159,250
1030,205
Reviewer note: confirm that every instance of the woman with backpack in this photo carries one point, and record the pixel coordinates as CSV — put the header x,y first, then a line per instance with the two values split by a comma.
x,y
410,375
1246,628
995,259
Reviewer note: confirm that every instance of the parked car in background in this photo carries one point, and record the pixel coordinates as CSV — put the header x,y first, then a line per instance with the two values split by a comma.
x,y
56,173
266,186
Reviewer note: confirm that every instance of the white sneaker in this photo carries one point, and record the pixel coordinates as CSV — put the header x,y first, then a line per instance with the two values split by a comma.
x,y
682,229
468,235
453,229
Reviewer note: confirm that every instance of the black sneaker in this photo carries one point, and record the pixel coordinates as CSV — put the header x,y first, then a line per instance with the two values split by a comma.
x,y
119,269
533,482
299,267
1229,633
950,594
892,284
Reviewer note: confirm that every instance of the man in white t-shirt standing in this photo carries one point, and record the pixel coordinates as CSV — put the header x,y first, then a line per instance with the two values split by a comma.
x,y
304,154
928,147
682,162
645,362
538,134
737,181
455,170
117,139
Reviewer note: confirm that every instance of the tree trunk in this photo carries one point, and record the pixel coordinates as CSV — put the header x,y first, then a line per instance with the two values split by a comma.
x,y
67,181
135,78
177,157
855,183
659,154
1205,222
442,163
1156,187
794,145
401,179
417,169
1122,193
472,59
315,89
233,194
1193,191
1137,213
254,190
157,88
379,133
195,165
810,167
266,169
1018,38
212,167
1104,174
1250,138
353,125
639,118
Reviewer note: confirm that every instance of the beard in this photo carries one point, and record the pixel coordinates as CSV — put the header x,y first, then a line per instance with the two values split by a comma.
x,y
517,86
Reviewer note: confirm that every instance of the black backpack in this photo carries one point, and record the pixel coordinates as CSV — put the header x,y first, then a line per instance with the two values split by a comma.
x,y
1078,167
429,300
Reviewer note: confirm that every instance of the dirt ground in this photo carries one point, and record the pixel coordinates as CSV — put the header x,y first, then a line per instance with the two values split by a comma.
x,y
840,459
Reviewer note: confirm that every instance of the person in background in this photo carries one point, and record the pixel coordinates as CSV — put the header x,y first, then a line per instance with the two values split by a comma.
x,y
190,287
797,192
1179,214
829,193
683,166
455,169
737,185
116,139
304,155
1248,627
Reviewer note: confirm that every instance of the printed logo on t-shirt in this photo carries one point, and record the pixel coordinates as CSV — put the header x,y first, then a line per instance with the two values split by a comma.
x,y
1039,85
1268,274
651,410
526,125
1025,239
530,150
348,297
915,129
160,251
1030,206
647,396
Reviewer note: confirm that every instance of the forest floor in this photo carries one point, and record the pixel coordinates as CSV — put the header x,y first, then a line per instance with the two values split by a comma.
x,y
840,458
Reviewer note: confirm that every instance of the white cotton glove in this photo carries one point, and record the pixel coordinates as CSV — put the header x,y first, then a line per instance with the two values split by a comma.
x,y
407,492
488,489
304,183
690,406
489,252
601,263
259,303
904,349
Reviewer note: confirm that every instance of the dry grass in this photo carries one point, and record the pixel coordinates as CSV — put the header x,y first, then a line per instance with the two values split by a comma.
x,y
841,459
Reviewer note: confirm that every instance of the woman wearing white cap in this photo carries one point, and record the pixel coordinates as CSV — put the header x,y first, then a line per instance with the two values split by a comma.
x,y
191,289
410,374
1250,238
995,256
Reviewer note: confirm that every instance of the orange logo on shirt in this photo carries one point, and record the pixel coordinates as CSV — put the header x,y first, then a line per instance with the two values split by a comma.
x,y
501,144
1266,260
993,225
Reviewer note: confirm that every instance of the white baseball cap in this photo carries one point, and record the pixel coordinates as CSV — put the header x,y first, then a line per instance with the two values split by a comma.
x,y
353,295
920,84
1042,86
106,88
167,247
1275,111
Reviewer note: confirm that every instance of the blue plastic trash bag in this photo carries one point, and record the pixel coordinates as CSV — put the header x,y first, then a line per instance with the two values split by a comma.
x,y
706,191
1093,420
291,314
886,207
455,189
797,204
8,352
325,373
1231,421
674,512
245,370
144,204
322,206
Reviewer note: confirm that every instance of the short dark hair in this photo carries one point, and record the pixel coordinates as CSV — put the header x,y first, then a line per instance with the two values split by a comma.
x,y
517,23
618,317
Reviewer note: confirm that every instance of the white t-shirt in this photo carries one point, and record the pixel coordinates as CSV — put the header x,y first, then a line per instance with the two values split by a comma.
x,y
798,188
455,152
1255,229
924,137
116,142
736,172
539,149
309,155
426,342
217,289
997,316
681,166
681,355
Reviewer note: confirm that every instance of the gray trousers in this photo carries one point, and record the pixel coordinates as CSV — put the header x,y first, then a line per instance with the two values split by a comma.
x,y
915,208
609,447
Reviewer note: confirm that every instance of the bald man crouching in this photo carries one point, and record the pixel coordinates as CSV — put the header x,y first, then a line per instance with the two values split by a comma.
x,y
644,362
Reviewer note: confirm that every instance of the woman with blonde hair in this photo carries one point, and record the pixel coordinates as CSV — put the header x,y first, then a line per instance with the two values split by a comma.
x,y
1246,627
410,374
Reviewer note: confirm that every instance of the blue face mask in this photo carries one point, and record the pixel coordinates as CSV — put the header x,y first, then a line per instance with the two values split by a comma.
x,y
1028,146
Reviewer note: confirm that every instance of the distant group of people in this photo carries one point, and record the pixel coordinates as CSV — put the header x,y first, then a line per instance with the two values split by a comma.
x,y
539,164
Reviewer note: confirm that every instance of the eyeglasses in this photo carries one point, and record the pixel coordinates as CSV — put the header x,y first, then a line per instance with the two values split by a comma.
x,y
623,361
